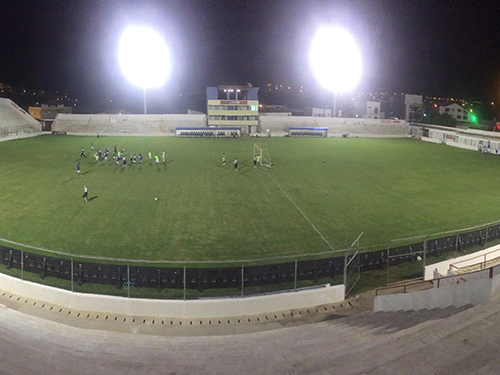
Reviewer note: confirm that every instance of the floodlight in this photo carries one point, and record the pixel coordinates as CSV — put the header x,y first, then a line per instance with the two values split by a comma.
x,y
335,59
144,58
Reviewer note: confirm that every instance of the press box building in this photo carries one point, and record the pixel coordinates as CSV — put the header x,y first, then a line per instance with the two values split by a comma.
x,y
233,107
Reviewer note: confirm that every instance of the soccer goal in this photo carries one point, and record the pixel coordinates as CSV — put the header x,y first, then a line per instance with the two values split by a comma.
x,y
262,156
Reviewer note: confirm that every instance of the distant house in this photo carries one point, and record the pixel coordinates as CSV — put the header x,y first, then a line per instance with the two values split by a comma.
x,y
367,109
48,112
456,111
318,112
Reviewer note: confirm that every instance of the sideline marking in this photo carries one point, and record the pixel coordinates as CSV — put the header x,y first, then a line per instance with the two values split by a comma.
x,y
298,208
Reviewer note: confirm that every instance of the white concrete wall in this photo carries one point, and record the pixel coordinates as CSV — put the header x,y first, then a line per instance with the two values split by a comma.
x,y
135,125
15,122
478,289
441,269
277,125
461,145
209,308
355,127
468,139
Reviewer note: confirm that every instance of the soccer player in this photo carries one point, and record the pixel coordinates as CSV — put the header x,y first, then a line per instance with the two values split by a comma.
x,y
124,161
149,154
92,146
223,159
255,161
135,158
157,158
85,193
236,164
115,149
78,170
163,156
83,153
140,159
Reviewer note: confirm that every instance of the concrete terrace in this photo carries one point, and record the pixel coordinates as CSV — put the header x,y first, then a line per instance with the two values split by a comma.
x,y
439,341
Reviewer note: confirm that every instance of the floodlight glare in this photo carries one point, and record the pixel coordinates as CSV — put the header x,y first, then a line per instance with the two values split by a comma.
x,y
143,57
335,59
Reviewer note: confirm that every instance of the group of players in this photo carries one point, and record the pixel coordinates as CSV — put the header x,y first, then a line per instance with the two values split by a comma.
x,y
256,161
119,156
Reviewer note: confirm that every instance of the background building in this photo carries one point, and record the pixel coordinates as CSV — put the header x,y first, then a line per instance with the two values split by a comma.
x,y
233,106
318,112
456,111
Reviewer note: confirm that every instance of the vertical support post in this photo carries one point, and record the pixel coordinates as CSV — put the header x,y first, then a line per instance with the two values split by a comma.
x,y
456,244
424,256
387,268
128,280
334,114
72,275
242,275
22,265
295,277
345,269
184,282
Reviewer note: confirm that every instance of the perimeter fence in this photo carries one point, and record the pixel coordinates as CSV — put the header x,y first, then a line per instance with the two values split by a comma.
x,y
141,279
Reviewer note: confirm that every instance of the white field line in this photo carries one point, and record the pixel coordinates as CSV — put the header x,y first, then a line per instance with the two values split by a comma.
x,y
125,260
302,212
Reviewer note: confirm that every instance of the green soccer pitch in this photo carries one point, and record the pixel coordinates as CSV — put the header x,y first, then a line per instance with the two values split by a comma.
x,y
318,197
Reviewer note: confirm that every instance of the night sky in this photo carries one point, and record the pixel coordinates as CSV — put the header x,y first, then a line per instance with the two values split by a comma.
x,y
449,48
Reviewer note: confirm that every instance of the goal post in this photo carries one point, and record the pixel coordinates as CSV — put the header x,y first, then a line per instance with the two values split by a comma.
x,y
263,156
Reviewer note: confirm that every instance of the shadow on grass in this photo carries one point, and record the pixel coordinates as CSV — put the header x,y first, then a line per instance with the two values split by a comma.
x,y
92,198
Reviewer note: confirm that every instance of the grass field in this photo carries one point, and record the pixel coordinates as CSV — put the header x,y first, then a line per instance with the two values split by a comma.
x,y
319,196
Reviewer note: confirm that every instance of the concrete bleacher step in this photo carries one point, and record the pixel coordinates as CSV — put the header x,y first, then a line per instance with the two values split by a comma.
x,y
367,326
340,346
383,346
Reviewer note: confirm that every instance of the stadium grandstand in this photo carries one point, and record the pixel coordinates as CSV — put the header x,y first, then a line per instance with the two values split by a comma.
x,y
446,326
16,122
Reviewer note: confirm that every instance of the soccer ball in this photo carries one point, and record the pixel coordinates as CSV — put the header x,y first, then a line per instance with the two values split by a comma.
x,y
156,199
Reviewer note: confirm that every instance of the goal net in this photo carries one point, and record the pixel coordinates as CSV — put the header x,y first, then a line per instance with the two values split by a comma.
x,y
262,156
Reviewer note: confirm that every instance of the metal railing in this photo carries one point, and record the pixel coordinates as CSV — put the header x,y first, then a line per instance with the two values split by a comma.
x,y
436,283
482,264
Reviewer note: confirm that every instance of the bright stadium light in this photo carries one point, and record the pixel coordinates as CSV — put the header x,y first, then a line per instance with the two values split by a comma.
x,y
144,58
335,60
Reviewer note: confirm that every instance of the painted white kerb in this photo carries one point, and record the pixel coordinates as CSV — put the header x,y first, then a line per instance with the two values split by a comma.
x,y
210,308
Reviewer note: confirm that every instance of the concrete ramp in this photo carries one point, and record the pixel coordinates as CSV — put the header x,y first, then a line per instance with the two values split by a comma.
x,y
16,122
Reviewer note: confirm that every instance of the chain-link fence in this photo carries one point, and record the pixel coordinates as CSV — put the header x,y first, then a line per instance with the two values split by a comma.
x,y
143,279
408,256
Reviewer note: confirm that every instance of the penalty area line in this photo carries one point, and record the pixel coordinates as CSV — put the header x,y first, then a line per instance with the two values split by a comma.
x,y
302,212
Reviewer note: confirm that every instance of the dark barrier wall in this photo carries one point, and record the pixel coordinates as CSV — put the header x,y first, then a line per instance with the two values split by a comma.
x,y
231,277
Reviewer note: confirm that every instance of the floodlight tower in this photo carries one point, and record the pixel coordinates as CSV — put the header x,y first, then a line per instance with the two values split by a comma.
x,y
335,60
144,58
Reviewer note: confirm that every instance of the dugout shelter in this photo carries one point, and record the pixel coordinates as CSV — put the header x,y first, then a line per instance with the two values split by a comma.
x,y
308,132
211,132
